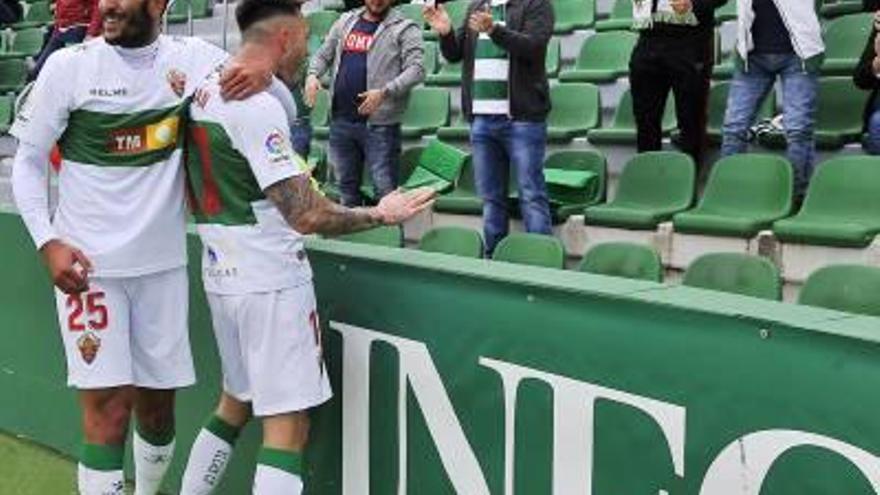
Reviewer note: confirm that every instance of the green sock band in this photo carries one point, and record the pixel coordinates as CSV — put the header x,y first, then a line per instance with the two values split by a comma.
x,y
285,460
222,429
156,439
102,457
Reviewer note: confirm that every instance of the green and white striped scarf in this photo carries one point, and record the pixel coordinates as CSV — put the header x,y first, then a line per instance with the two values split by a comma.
x,y
645,15
491,62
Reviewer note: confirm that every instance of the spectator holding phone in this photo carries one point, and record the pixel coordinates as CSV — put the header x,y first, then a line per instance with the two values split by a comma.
x,y
867,77
374,56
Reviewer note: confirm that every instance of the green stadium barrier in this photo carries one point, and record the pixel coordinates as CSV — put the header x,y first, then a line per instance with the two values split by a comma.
x,y
473,377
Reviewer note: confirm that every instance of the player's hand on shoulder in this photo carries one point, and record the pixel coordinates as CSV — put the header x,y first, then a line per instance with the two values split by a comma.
x,y
399,206
68,266
242,79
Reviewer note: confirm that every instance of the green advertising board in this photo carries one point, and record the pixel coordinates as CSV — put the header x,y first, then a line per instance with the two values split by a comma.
x,y
477,377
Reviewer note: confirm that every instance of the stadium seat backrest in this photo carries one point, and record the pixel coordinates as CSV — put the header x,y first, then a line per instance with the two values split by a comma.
x,y
427,107
13,73
735,273
586,160
320,22
321,112
622,9
413,12
388,236
840,106
581,11
850,288
609,50
38,12
531,249
845,36
659,178
458,241
457,11
28,41
845,188
6,104
624,118
409,160
443,160
553,59
432,58
749,182
624,259
575,105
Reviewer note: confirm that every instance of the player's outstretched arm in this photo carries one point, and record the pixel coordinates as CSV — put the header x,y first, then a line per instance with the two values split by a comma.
x,y
308,212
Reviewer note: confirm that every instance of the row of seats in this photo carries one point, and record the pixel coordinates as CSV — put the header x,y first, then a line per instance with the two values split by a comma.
x,y
35,14
851,288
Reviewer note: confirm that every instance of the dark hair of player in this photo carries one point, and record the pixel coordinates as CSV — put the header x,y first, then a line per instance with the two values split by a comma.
x,y
250,12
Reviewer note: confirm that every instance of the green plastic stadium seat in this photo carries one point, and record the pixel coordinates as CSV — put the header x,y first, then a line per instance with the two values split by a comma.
x,y
24,43
735,273
850,288
438,167
745,195
576,110
838,116
409,161
727,12
13,75
431,60
531,249
459,130
320,22
588,166
320,117
317,161
842,207
388,236
553,59
457,11
458,241
413,12
427,111
620,18
718,106
844,40
724,67
573,15
623,128
463,200
652,188
36,14
830,10
448,75
603,58
624,259
180,10
7,102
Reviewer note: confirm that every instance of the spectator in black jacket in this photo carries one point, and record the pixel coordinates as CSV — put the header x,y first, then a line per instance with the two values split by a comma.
x,y
505,95
674,53
10,11
867,77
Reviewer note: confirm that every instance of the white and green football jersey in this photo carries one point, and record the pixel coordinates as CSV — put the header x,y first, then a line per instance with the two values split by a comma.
x,y
235,150
118,126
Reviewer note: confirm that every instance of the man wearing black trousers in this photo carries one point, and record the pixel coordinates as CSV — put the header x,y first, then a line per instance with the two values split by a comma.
x,y
674,53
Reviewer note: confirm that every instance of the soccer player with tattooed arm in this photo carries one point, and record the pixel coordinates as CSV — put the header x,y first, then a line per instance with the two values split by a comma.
x,y
115,248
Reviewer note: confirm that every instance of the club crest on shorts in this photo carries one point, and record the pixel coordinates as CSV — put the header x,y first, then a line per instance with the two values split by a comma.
x,y
89,345
177,80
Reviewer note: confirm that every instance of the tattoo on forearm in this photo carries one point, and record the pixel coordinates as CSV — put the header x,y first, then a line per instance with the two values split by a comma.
x,y
308,212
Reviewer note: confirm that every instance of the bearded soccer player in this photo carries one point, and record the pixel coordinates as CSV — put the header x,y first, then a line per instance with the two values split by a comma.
x,y
116,247
253,202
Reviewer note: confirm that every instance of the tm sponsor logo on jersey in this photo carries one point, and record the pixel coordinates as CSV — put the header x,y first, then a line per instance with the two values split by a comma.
x,y
216,269
278,148
153,137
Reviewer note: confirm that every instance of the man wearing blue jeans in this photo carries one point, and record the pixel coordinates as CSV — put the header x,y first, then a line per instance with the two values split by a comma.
x,y
777,39
375,56
505,95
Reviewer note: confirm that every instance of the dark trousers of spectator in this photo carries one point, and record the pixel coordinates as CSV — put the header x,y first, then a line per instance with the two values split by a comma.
x,y
10,11
57,40
301,137
355,145
658,66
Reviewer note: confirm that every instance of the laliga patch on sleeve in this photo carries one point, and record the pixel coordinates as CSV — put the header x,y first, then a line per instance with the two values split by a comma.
x,y
278,148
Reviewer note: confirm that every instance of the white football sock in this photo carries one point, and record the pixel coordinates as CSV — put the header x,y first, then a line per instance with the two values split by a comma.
x,y
273,481
95,482
150,464
209,457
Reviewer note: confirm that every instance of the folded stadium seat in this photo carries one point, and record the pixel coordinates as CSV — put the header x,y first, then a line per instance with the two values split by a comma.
x,y
438,167
842,207
180,10
620,18
844,40
427,111
726,13
745,195
448,75
575,110
24,43
463,199
387,235
7,102
531,249
458,241
459,130
320,117
431,60
838,116
831,9
575,179
735,273
13,75
409,161
553,60
413,12
850,288
623,128
718,107
624,259
36,14
604,57
457,11
652,188
573,15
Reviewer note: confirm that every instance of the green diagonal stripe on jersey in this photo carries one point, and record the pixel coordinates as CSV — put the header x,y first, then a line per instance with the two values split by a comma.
x,y
136,139
486,48
221,183
490,90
